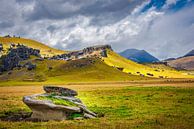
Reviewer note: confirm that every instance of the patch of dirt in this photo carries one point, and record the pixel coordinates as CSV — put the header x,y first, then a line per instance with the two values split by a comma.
x,y
18,116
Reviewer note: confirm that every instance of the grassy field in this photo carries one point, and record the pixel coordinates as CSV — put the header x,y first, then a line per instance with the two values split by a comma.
x,y
125,105
83,70
44,49
131,67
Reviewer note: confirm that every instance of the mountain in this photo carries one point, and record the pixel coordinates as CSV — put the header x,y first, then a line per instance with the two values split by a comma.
x,y
140,56
191,53
185,62
169,59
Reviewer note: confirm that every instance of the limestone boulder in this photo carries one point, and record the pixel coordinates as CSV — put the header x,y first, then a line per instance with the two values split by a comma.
x,y
58,103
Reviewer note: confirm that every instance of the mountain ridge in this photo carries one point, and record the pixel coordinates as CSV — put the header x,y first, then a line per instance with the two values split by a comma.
x,y
185,62
140,56
190,53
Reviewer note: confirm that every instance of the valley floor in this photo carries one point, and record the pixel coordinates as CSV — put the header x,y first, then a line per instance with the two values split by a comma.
x,y
163,104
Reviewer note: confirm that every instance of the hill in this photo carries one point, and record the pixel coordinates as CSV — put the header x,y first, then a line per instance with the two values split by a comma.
x,y
60,71
140,56
92,64
183,63
131,67
44,49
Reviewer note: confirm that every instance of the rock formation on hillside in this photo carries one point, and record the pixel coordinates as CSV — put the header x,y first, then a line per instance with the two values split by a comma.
x,y
94,51
16,54
57,103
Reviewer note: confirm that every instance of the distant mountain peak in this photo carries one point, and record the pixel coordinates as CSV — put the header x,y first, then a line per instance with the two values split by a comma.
x,y
140,56
191,53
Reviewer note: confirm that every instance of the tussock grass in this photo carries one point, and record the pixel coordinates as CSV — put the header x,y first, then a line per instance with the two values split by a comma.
x,y
64,72
131,67
44,49
124,107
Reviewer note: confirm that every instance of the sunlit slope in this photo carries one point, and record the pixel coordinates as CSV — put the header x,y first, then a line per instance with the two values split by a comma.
x,y
131,67
59,71
44,49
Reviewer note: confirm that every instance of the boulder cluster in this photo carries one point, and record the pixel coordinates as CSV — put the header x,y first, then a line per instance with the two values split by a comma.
x,y
94,51
16,54
58,103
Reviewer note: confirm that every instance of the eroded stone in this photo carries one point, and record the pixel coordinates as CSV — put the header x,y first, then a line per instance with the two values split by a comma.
x,y
57,106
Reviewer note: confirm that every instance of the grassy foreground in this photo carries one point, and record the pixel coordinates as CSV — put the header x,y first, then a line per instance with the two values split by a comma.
x,y
124,107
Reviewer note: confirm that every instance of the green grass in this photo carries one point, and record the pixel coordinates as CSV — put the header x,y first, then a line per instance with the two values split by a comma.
x,y
57,101
128,107
63,72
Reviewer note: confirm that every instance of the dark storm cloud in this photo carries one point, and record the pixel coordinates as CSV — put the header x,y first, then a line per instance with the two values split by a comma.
x,y
74,24
24,1
51,28
100,10
6,24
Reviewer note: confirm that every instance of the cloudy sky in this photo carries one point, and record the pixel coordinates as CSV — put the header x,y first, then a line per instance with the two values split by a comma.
x,y
165,28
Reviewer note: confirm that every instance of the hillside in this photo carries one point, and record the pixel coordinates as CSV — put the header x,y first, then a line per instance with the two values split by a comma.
x,y
24,64
131,67
59,71
140,56
44,49
183,63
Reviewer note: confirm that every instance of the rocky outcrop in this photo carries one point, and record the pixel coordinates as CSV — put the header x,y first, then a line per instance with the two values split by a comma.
x,y
94,51
30,66
16,55
57,103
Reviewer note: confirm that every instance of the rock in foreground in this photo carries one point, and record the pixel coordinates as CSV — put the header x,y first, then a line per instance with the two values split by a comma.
x,y
57,103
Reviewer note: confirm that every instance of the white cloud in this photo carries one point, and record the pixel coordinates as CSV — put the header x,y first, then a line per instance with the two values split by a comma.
x,y
163,34
169,3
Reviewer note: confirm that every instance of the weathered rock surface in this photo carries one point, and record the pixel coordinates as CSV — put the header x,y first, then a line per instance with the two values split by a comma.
x,y
47,109
60,91
16,54
30,66
94,51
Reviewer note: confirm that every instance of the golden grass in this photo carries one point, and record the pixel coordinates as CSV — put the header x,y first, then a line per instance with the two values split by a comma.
x,y
44,49
116,60
63,72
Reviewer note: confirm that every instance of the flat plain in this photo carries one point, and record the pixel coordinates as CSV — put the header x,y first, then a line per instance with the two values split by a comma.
x,y
164,104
